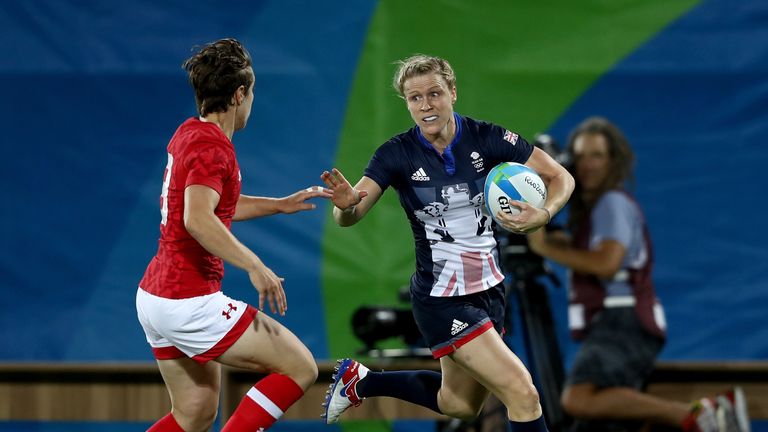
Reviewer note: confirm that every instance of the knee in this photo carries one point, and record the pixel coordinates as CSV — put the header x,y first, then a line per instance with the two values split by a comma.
x,y
197,414
454,406
310,370
528,398
522,402
303,371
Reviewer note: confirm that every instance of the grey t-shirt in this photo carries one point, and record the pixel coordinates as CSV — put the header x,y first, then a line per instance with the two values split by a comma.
x,y
617,217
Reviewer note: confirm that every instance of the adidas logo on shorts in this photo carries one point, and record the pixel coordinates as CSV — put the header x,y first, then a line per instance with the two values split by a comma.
x,y
457,326
420,175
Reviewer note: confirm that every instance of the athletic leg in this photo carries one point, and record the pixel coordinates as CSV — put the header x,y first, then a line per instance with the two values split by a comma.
x,y
477,361
267,346
194,391
419,387
489,361
453,392
460,395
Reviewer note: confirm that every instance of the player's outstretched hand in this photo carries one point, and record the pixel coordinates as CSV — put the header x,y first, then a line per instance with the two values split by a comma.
x,y
528,220
270,288
344,195
298,201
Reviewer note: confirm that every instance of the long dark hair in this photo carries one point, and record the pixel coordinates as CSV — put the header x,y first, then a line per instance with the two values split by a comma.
x,y
216,71
620,174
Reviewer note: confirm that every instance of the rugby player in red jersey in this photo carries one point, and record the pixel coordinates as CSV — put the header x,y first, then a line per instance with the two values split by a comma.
x,y
190,324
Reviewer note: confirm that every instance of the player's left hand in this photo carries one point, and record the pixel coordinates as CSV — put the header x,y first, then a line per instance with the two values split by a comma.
x,y
270,288
298,201
528,220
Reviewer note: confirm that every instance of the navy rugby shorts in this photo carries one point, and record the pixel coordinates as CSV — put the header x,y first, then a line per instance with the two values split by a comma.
x,y
447,323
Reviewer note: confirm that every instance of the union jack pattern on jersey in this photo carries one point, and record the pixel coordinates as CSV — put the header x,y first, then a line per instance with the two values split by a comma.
x,y
442,195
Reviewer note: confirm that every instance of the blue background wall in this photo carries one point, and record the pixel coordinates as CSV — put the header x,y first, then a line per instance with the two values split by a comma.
x,y
693,101
93,91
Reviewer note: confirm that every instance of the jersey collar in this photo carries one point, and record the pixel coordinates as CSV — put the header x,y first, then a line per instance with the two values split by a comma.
x,y
447,156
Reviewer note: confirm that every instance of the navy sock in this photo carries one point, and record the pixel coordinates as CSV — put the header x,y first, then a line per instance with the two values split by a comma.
x,y
537,425
418,387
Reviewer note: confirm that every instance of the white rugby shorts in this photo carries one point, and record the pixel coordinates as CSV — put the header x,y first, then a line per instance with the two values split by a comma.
x,y
201,328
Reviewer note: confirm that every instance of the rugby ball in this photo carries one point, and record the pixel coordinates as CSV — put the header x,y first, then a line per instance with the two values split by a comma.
x,y
509,181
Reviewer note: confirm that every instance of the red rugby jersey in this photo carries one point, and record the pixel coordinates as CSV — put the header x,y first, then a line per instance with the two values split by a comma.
x,y
198,154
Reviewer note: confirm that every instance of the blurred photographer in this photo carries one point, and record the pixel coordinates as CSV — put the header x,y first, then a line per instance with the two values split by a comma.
x,y
613,308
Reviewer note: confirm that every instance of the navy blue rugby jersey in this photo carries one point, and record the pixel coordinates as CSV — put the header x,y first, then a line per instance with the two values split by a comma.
x,y
442,195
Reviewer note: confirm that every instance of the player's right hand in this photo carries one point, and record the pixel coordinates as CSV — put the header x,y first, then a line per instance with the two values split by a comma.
x,y
344,195
270,288
528,220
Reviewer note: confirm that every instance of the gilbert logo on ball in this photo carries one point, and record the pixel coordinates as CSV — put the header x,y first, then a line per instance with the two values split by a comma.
x,y
509,181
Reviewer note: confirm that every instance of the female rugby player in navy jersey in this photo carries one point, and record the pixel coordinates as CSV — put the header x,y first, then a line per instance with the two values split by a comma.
x,y
438,169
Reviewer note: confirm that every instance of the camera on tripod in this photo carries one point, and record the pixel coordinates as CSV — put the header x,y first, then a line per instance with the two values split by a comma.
x,y
373,323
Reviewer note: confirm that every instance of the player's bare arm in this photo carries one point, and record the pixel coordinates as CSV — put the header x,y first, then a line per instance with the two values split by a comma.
x,y
559,181
250,207
349,205
202,223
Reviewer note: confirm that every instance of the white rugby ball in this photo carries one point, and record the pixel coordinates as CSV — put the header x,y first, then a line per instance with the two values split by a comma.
x,y
509,181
